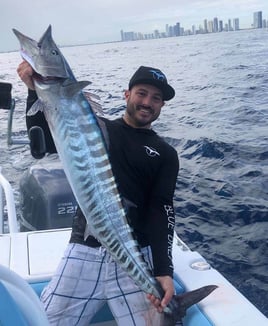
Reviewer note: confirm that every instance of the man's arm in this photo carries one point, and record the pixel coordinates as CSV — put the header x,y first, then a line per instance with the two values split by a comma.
x,y
26,72
161,225
39,120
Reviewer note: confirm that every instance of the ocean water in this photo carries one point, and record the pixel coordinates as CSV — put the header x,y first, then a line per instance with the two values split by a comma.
x,y
218,123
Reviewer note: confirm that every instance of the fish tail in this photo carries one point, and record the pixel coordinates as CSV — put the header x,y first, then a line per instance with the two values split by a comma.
x,y
184,301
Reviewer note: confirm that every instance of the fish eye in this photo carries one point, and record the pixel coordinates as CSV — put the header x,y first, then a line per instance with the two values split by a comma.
x,y
54,52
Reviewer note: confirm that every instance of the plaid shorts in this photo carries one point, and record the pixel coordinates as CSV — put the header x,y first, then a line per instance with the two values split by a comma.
x,y
85,280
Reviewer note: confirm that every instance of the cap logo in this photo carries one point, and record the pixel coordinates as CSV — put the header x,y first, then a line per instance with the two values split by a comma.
x,y
158,75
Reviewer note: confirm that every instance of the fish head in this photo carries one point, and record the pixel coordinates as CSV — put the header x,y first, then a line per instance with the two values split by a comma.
x,y
44,56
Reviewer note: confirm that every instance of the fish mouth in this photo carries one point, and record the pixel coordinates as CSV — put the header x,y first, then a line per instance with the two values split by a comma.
x,y
47,79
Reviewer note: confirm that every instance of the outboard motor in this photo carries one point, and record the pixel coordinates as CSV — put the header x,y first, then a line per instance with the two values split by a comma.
x,y
47,201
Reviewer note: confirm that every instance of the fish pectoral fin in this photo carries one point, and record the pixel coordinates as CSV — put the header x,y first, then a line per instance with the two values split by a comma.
x,y
127,204
71,87
36,107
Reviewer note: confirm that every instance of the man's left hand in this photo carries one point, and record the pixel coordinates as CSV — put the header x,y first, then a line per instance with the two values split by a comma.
x,y
168,287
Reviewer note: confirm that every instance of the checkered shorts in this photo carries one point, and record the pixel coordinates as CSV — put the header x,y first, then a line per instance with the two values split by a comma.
x,y
85,280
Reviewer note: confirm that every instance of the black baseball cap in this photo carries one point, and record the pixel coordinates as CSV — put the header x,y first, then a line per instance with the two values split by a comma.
x,y
155,77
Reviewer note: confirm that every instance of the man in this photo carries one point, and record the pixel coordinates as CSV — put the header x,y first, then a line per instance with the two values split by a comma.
x,y
145,169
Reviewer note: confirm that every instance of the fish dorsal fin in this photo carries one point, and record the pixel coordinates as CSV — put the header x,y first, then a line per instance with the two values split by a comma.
x,y
71,87
96,107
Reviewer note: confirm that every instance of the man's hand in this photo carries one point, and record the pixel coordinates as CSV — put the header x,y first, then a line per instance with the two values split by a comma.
x,y
25,71
168,286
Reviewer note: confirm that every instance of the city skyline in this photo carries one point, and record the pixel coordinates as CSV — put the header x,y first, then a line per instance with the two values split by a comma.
x,y
208,26
82,22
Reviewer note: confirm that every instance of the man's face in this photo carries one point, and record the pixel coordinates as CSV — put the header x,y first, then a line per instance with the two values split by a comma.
x,y
144,103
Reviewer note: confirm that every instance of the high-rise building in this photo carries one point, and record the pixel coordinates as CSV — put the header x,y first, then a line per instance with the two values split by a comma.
x,y
177,29
205,26
171,31
122,35
156,33
215,25
220,25
257,19
210,26
230,28
167,30
128,36
236,24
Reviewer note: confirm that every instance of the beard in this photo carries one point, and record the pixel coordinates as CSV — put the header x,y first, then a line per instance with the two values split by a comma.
x,y
141,116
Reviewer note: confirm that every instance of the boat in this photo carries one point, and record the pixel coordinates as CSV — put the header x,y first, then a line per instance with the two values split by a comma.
x,y
32,245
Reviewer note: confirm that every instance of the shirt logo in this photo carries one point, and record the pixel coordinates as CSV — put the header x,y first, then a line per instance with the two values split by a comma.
x,y
151,151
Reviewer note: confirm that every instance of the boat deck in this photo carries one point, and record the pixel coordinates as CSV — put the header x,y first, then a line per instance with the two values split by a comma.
x,y
34,257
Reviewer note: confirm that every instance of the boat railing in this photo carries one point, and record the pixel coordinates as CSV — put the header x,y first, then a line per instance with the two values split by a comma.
x,y
11,139
7,196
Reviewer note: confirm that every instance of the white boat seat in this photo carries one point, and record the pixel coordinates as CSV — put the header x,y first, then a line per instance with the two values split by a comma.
x,y
19,304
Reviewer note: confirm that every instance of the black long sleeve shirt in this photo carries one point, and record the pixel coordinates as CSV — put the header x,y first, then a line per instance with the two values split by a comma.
x,y
145,169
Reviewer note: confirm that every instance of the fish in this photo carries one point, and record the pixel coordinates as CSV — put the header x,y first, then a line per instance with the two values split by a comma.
x,y
82,148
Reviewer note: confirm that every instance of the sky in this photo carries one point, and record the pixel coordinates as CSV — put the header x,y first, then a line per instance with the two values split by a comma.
x,y
87,21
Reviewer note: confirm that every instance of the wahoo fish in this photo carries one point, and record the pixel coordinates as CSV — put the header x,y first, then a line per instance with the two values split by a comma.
x,y
82,149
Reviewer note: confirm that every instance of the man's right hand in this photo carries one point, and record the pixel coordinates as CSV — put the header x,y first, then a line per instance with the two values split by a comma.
x,y
25,71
